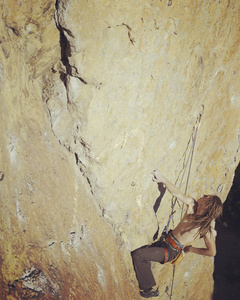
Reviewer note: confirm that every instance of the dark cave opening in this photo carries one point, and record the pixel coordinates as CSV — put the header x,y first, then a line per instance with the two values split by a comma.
x,y
227,261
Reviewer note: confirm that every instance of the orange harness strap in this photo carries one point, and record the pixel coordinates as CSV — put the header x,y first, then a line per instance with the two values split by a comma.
x,y
166,252
172,242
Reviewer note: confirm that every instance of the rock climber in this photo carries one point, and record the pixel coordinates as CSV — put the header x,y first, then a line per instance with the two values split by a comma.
x,y
198,222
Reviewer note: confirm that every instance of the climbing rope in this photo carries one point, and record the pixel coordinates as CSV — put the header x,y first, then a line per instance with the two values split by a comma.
x,y
190,157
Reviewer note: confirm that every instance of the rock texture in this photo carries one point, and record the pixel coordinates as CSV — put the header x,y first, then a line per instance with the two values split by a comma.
x,y
94,96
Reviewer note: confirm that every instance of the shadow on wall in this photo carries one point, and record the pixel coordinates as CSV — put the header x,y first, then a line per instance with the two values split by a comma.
x,y
158,201
227,261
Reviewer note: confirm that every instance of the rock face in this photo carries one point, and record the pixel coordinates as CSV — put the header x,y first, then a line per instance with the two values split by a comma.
x,y
94,96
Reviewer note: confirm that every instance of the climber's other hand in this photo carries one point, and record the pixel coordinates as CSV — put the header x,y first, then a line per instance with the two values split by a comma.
x,y
157,176
187,249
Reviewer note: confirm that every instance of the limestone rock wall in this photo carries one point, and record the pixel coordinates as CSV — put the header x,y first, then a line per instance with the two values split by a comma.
x,y
94,96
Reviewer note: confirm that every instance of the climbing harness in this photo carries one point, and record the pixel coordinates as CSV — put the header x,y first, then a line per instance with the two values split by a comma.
x,y
1,175
174,199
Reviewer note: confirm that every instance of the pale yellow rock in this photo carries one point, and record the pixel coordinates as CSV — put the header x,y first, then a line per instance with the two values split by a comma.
x,y
94,96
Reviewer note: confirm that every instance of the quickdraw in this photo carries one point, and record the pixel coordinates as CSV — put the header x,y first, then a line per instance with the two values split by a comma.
x,y
1,175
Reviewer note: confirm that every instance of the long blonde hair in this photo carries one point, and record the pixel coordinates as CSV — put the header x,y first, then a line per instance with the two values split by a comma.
x,y
213,210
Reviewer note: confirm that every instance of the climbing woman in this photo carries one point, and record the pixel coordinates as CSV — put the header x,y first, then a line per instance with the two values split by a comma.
x,y
198,222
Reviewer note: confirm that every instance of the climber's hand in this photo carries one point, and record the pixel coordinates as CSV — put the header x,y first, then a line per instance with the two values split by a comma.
x,y
158,176
187,249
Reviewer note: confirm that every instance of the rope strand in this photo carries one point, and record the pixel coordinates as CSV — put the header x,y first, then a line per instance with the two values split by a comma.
x,y
190,156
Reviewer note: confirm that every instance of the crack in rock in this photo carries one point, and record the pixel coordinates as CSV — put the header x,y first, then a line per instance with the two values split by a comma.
x,y
66,51
34,283
132,40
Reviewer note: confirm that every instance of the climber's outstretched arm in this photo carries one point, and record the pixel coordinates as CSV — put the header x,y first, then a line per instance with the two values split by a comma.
x,y
210,243
189,201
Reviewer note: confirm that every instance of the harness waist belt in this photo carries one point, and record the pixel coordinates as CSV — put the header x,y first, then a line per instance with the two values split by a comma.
x,y
173,242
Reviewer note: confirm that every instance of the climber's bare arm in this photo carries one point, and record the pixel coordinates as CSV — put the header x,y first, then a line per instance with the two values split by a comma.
x,y
189,201
210,249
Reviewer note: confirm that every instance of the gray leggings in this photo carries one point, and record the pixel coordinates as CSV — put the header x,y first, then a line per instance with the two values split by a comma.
x,y
159,252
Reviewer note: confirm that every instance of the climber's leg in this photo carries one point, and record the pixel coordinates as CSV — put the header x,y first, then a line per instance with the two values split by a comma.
x,y
142,258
